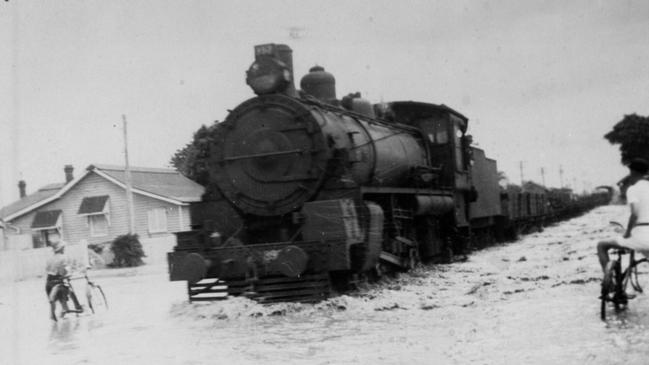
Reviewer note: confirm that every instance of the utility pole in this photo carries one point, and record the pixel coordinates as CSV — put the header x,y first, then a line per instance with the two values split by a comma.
x,y
543,176
561,176
521,167
127,174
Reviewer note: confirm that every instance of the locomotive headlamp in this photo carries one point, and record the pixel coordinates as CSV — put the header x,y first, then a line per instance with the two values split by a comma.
x,y
268,75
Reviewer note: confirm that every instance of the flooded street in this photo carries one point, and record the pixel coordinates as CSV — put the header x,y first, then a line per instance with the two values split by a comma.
x,y
532,302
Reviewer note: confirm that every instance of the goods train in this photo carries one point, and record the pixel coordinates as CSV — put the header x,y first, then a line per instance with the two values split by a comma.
x,y
309,192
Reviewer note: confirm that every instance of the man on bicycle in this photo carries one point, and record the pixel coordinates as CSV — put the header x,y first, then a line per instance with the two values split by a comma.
x,y
636,236
57,268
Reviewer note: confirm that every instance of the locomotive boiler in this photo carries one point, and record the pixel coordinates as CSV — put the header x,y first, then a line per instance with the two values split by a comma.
x,y
309,192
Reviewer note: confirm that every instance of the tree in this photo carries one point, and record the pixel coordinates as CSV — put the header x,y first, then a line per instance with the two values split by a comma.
x,y
632,133
192,160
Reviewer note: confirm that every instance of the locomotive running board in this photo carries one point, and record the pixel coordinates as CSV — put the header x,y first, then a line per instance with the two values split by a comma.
x,y
308,288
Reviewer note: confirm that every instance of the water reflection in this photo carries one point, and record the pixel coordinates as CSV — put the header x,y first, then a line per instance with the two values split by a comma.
x,y
63,330
72,333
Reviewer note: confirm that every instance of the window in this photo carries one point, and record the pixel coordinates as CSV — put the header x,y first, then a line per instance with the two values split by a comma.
x,y
97,211
45,223
436,130
441,137
40,238
98,225
157,220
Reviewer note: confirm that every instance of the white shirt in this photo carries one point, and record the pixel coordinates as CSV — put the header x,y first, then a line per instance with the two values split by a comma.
x,y
57,265
638,195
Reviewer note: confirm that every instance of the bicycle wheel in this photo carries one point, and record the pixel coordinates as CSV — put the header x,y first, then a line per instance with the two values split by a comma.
x,y
611,286
96,299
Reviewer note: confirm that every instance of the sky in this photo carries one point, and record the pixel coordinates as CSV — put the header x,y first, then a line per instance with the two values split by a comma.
x,y
540,81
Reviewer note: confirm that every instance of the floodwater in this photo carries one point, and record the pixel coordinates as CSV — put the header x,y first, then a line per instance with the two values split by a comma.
x,y
528,302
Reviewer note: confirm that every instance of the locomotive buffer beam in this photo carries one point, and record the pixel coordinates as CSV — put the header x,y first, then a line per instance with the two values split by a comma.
x,y
283,277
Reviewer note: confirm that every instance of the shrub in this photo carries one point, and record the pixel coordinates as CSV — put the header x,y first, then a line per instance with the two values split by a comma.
x,y
127,250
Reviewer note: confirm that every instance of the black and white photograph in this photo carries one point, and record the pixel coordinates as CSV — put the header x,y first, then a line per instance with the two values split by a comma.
x,y
324,182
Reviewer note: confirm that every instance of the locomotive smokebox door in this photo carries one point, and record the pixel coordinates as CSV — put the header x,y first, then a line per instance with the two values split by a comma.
x,y
271,156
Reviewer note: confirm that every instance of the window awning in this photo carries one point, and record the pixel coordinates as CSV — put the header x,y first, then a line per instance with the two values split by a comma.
x,y
93,205
48,219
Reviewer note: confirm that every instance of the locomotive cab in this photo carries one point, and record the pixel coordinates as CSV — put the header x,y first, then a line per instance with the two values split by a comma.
x,y
444,130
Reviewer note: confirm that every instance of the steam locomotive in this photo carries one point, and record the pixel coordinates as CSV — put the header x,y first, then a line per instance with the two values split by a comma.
x,y
309,192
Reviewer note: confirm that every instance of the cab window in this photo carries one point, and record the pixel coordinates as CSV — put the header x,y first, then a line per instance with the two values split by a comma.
x,y
436,131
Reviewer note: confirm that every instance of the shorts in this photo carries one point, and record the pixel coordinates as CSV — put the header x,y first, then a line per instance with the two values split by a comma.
x,y
639,240
51,282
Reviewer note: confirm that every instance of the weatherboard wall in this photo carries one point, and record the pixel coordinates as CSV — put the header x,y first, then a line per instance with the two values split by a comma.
x,y
76,227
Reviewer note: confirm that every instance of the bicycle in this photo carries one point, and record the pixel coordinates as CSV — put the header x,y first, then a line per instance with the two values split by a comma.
x,y
95,297
615,280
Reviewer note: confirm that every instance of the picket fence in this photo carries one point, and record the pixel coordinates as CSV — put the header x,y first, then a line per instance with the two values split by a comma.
x,y
21,264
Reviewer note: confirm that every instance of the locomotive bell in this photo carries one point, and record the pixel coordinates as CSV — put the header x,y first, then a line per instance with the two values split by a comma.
x,y
320,84
272,70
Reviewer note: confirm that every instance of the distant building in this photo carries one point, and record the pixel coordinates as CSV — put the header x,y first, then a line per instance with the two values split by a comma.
x,y
93,207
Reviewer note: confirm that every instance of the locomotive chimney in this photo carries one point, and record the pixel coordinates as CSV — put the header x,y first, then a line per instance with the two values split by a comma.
x,y
285,54
68,169
272,71
22,185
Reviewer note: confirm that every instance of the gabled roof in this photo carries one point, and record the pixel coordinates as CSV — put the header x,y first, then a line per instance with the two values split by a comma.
x,y
40,195
164,184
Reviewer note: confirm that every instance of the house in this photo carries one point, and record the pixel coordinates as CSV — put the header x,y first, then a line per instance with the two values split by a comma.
x,y
93,206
